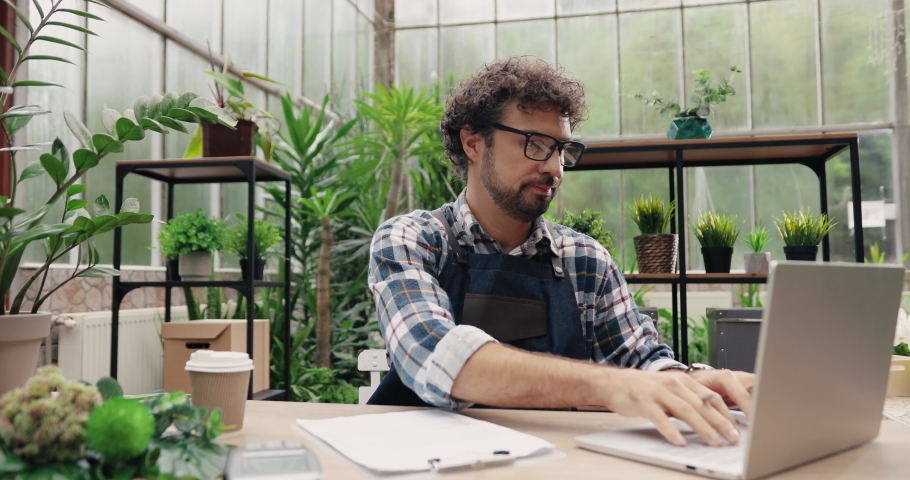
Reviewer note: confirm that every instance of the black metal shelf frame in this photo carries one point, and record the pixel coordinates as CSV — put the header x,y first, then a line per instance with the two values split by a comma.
x,y
248,168
678,222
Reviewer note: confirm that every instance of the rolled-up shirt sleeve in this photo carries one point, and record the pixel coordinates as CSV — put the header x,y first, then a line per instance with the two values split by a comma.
x,y
425,346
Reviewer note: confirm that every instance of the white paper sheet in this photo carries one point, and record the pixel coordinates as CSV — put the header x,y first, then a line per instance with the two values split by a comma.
x,y
406,441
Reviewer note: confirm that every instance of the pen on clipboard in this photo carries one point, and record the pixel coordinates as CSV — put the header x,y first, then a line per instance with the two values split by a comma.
x,y
464,462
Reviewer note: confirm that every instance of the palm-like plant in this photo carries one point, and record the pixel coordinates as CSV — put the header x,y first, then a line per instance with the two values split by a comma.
x,y
757,239
651,215
803,229
713,230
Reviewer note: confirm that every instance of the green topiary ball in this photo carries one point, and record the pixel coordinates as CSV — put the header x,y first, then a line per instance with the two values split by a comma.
x,y
119,429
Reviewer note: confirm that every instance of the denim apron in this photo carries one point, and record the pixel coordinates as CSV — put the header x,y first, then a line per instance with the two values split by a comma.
x,y
478,283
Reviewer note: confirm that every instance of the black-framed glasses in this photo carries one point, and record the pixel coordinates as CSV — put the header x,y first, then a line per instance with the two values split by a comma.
x,y
539,146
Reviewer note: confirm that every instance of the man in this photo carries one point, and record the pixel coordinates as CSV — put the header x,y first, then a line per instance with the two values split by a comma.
x,y
484,301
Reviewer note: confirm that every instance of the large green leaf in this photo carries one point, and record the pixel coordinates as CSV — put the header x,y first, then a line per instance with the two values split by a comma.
x,y
233,86
191,457
130,205
167,103
9,269
21,16
109,118
54,168
81,13
79,129
72,27
58,149
12,40
183,115
141,107
105,223
47,57
97,271
128,129
35,83
38,8
10,212
24,110
35,216
85,159
152,125
101,207
15,124
31,171
59,41
154,105
76,204
75,189
184,100
171,123
194,148
106,143
38,232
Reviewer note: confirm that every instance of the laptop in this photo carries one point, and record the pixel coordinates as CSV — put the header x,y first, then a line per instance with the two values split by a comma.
x,y
821,375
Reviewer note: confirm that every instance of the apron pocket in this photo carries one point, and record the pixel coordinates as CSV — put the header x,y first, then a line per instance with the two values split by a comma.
x,y
506,319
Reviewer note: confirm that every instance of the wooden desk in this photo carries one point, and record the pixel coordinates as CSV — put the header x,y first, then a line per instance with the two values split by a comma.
x,y
886,457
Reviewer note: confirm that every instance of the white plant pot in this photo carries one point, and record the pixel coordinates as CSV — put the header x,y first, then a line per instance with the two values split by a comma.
x,y
196,266
20,343
757,262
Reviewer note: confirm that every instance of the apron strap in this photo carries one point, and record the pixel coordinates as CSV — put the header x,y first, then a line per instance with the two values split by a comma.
x,y
459,252
557,266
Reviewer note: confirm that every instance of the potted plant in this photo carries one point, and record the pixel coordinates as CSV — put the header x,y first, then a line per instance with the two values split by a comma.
x,y
192,237
717,234
692,123
655,248
221,141
265,236
758,261
802,232
589,223
87,431
22,328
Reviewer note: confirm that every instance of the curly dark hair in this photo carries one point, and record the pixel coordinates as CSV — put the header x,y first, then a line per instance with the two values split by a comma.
x,y
480,100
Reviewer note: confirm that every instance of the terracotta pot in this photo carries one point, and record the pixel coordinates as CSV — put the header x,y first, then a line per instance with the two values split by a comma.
x,y
221,141
20,344
757,262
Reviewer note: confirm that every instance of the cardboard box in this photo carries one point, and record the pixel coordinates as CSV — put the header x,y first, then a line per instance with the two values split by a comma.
x,y
181,339
899,378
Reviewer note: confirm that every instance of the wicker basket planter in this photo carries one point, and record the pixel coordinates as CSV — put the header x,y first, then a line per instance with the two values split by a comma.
x,y
656,252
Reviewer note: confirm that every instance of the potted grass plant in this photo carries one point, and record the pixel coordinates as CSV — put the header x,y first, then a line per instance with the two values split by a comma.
x,y
717,234
265,236
758,260
192,237
802,232
655,248
692,123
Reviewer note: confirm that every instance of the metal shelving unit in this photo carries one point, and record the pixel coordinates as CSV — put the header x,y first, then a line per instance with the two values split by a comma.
x,y
813,151
249,170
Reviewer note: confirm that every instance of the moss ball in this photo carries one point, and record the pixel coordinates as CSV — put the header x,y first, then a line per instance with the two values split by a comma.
x,y
120,429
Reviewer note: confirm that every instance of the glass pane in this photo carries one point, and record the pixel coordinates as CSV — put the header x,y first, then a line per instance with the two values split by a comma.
x,y
518,9
600,191
783,63
115,83
853,35
344,53
45,128
285,48
570,7
716,40
409,13
708,2
416,55
527,38
780,188
466,11
464,49
365,74
645,4
649,61
317,52
587,50
875,184
724,190
635,184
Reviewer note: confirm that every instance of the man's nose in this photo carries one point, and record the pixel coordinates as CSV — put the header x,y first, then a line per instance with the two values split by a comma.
x,y
553,165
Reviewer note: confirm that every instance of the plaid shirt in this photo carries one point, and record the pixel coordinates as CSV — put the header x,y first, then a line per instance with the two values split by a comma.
x,y
415,315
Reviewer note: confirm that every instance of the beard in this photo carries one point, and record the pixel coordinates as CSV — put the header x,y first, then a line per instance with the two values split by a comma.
x,y
521,205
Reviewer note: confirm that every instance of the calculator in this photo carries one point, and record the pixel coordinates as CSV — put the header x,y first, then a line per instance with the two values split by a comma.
x,y
272,461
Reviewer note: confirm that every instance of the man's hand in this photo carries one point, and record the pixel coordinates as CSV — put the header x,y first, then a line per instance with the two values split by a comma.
x,y
698,399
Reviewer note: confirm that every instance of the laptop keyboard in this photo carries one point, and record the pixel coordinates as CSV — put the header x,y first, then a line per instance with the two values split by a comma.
x,y
697,451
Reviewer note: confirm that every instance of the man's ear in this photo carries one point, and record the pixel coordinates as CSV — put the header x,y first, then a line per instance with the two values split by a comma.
x,y
472,143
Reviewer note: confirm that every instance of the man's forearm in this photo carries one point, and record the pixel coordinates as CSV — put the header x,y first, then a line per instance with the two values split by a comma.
x,y
506,377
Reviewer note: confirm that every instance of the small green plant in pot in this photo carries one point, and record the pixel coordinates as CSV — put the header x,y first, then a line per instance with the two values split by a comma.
x,y
655,248
192,237
758,260
717,234
692,123
265,236
802,232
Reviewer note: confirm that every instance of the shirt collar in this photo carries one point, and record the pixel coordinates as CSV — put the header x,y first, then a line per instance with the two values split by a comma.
x,y
469,231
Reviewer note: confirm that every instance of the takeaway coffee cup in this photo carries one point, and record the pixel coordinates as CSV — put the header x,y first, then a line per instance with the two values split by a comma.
x,y
221,380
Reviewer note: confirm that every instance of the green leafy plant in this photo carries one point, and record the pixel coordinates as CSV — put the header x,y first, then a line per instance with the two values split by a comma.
x,y
713,230
697,334
77,227
878,256
757,239
803,229
651,215
702,102
748,295
589,223
191,232
265,236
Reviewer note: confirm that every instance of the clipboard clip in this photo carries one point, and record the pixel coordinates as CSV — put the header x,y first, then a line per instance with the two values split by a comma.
x,y
470,462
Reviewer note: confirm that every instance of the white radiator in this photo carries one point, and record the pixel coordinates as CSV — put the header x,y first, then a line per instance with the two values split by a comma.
x,y
84,347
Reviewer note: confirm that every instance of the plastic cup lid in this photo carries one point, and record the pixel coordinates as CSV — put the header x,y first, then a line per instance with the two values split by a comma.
x,y
210,361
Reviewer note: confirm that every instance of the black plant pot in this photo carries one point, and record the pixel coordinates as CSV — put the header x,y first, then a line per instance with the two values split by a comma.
x,y
258,268
717,259
803,253
221,141
173,270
